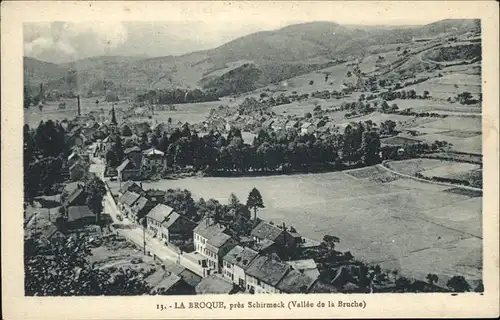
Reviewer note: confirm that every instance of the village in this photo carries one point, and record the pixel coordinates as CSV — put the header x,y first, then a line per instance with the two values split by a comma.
x,y
349,175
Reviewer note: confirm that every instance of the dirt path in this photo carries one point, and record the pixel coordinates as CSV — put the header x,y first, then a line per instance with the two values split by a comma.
x,y
429,181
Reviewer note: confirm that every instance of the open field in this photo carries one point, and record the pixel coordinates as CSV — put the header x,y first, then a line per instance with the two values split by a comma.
x,y
450,169
400,223
435,105
450,85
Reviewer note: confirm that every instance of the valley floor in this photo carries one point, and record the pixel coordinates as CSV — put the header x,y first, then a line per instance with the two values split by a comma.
x,y
415,227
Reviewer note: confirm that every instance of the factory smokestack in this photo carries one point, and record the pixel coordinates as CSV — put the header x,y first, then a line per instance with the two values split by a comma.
x,y
78,104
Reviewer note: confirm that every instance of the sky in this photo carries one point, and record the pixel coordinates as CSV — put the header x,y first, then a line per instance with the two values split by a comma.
x,y
188,28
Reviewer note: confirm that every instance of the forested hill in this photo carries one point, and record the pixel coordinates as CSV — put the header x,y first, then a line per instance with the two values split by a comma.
x,y
268,56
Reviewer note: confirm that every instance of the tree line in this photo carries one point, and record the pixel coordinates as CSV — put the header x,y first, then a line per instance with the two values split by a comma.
x,y
177,95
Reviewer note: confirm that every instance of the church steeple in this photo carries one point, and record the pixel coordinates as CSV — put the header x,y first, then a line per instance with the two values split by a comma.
x,y
113,115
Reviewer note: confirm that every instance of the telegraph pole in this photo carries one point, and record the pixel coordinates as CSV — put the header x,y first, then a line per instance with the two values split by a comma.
x,y
144,235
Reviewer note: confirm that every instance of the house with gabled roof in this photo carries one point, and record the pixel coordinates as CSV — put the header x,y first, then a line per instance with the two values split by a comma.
x,y
295,282
126,201
155,218
215,284
307,128
127,170
268,123
211,240
77,171
235,262
305,266
130,186
264,274
76,198
277,234
176,227
154,158
140,208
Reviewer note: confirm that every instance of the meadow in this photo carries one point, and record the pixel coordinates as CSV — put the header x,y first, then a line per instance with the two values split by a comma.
x,y
402,224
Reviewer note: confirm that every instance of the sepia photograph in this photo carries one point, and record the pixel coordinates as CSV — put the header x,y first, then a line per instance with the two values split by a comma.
x,y
298,155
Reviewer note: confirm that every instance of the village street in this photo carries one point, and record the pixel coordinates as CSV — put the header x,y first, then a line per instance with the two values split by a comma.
x,y
127,228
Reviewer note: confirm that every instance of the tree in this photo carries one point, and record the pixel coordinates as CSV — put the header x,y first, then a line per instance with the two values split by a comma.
x,y
426,94
464,97
458,284
234,202
95,190
385,106
72,275
255,201
432,278
308,115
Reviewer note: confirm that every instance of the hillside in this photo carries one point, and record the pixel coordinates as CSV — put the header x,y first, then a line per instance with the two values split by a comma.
x,y
275,55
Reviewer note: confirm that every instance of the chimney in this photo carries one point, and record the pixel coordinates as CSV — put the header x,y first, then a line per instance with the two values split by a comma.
x,y
78,104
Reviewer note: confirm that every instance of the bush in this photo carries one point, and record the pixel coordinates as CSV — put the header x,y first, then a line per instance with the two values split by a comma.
x,y
311,82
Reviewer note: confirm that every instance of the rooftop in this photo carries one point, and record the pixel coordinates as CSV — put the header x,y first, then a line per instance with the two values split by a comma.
x,y
133,149
140,204
264,230
79,212
218,240
295,282
303,264
126,164
207,230
129,185
160,212
214,284
241,256
129,198
152,152
268,270
188,276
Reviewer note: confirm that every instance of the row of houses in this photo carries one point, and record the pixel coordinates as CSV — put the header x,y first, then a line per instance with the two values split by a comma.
x,y
255,264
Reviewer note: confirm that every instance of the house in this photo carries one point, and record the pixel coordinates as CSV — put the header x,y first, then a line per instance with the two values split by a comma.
x,y
264,274
140,208
292,125
235,263
268,123
130,186
52,235
156,196
215,284
306,128
77,171
278,125
135,155
169,284
81,220
73,158
141,128
295,282
77,198
127,170
217,247
195,262
154,158
321,287
305,266
126,201
155,219
176,227
266,231
211,241
187,275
